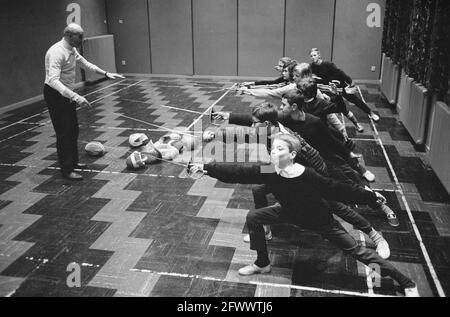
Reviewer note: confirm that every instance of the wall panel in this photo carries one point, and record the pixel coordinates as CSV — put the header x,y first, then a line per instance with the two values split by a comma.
x,y
357,47
309,23
215,37
28,29
128,22
171,36
261,33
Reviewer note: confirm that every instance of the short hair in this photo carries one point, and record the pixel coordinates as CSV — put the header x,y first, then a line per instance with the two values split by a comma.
x,y
294,144
315,49
294,97
286,60
265,112
290,67
307,87
304,69
72,29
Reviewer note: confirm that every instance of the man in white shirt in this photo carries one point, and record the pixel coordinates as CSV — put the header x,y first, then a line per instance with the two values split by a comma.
x,y
60,63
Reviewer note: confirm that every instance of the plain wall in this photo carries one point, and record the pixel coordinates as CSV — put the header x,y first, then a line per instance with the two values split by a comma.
x,y
128,22
186,37
357,47
28,29
309,23
171,36
247,37
260,32
215,37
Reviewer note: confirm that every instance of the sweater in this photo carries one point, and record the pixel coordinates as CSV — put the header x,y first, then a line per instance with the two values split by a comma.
x,y
308,156
279,80
322,108
312,129
302,197
328,71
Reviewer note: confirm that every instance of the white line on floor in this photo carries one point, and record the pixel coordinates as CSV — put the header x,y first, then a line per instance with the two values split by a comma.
x,y
297,287
91,170
45,123
163,106
45,111
209,108
436,281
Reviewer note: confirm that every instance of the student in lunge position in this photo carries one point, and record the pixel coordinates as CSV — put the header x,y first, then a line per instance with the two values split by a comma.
x,y
326,72
300,192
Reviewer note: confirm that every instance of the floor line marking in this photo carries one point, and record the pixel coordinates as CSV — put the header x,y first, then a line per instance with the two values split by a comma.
x,y
210,107
434,276
163,106
152,124
45,123
45,111
92,170
364,140
162,129
290,286
425,254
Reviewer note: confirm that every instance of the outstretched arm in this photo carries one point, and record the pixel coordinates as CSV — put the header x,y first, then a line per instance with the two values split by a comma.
x,y
236,173
343,192
91,67
275,93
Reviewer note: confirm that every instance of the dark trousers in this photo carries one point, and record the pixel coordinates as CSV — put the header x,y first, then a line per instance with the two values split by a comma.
x,y
346,171
333,232
341,210
64,119
357,102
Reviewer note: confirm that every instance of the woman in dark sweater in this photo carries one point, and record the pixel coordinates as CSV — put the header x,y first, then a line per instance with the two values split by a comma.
x,y
300,192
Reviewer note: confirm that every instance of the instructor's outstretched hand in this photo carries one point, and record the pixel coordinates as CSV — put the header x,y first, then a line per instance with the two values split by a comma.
x,y
114,76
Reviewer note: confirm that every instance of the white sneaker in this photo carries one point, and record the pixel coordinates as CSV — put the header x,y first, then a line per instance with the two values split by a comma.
x,y
381,244
355,155
374,117
412,292
254,269
268,237
359,128
369,176
383,249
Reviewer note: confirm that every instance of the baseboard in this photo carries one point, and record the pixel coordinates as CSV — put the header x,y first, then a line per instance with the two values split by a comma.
x,y
30,101
368,81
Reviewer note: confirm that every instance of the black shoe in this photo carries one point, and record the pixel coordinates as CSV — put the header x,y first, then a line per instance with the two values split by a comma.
x,y
81,166
73,176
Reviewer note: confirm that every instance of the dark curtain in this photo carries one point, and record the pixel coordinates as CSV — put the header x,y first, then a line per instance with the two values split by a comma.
x,y
416,35
438,75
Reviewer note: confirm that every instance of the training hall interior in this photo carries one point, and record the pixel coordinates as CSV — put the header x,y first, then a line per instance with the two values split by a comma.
x,y
135,136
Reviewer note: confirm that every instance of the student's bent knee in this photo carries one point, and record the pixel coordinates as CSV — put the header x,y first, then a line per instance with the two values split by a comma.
x,y
253,218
